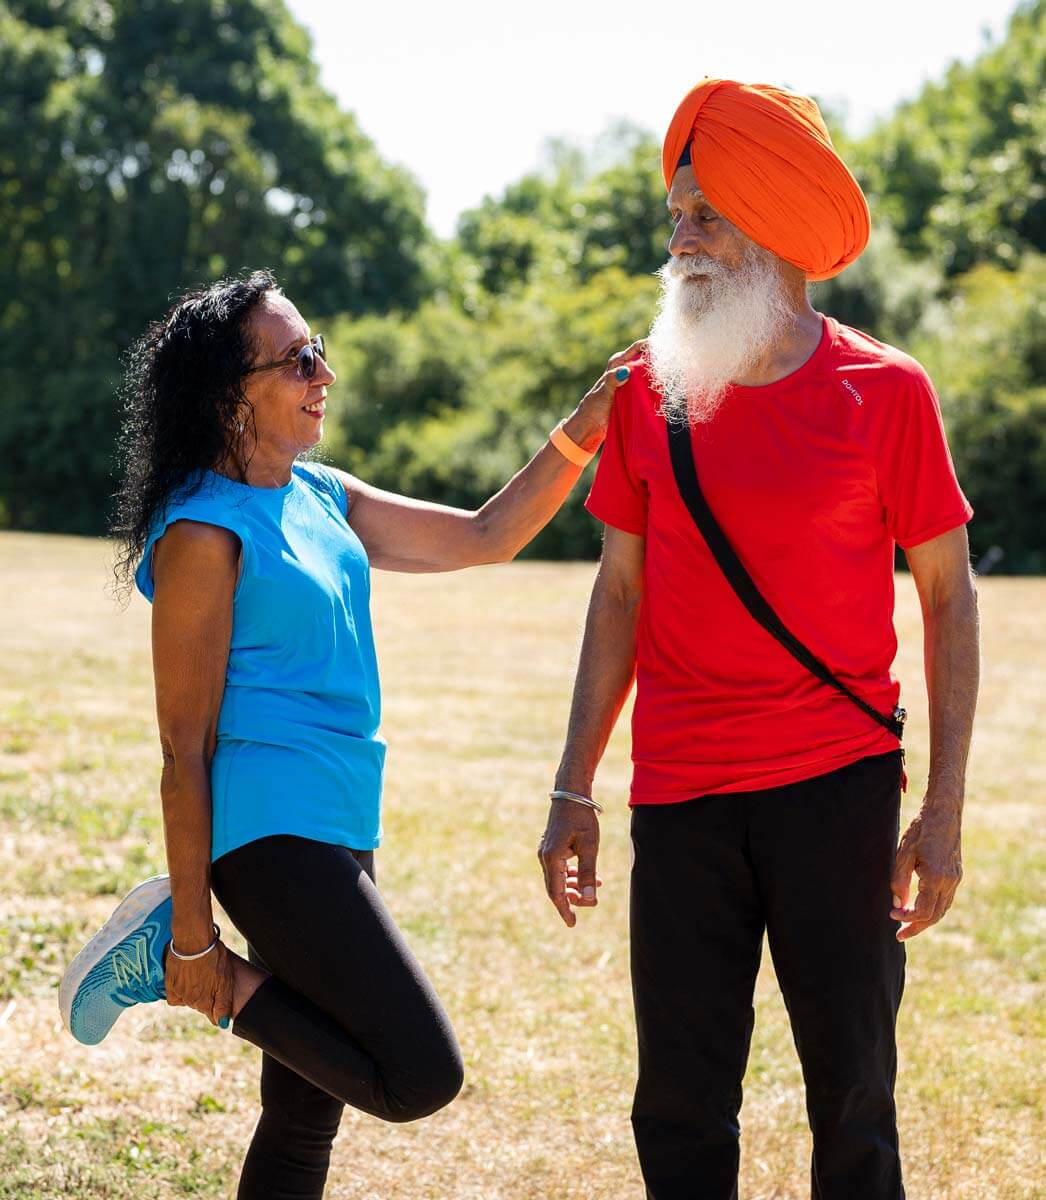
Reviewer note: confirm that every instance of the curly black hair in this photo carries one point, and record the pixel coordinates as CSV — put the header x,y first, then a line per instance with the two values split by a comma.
x,y
184,406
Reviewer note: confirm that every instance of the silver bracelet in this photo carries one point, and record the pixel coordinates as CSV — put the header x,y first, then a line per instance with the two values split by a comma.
x,y
201,953
587,801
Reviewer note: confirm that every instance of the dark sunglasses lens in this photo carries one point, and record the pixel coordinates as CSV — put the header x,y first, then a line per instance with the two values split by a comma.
x,y
307,361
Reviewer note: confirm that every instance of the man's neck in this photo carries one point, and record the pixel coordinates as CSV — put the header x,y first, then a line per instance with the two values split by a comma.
x,y
788,352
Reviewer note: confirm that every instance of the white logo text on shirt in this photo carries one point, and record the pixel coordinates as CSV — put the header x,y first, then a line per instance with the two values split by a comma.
x,y
853,391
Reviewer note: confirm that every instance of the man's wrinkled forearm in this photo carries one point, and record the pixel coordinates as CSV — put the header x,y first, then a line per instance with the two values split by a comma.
x,y
604,678
952,655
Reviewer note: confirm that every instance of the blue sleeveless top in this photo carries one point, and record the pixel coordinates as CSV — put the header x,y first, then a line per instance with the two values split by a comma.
x,y
297,749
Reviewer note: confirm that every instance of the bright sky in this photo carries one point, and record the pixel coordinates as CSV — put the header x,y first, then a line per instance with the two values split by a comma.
x,y
465,93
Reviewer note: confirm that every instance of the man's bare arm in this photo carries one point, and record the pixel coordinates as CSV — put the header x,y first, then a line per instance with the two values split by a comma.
x,y
604,677
932,845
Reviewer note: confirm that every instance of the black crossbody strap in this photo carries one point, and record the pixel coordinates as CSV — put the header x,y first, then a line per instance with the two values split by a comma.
x,y
680,449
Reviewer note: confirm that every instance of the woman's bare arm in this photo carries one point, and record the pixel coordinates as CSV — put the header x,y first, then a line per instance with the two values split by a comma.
x,y
403,534
194,572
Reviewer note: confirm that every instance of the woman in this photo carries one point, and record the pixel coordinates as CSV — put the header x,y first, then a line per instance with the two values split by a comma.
x,y
257,566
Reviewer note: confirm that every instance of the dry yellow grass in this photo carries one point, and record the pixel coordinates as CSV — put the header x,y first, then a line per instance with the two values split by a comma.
x,y
477,670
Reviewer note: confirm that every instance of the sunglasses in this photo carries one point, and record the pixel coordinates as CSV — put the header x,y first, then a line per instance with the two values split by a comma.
x,y
305,358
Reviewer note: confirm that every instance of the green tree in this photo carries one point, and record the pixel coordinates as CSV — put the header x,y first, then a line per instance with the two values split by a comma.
x,y
148,144
958,170
986,351
886,293
145,146
580,215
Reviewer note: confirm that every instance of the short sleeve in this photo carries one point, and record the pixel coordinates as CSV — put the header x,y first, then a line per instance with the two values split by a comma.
x,y
917,485
617,496
205,514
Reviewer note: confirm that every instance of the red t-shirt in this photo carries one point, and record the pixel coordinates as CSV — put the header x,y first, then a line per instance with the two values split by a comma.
x,y
813,479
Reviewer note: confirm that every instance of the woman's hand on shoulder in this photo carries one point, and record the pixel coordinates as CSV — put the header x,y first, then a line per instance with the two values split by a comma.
x,y
587,425
600,397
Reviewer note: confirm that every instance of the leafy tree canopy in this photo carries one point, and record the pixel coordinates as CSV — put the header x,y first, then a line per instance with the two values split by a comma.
x,y
958,170
145,146
148,144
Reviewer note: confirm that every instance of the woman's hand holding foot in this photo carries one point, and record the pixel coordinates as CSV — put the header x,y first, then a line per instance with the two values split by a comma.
x,y
205,984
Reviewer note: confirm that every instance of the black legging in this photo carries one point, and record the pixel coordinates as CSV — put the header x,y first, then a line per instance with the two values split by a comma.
x,y
346,1016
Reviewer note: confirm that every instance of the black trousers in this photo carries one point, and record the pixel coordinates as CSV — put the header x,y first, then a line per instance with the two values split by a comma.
x,y
810,863
346,1016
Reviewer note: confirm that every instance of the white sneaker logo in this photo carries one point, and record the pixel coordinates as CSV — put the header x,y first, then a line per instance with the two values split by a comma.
x,y
853,391
131,964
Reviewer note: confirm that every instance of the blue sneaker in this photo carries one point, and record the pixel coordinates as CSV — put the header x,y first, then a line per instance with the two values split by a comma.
x,y
121,965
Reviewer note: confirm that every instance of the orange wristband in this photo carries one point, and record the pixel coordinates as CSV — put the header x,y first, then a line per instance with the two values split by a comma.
x,y
570,450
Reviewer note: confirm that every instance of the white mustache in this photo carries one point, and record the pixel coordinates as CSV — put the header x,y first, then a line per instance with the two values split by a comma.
x,y
706,337
689,265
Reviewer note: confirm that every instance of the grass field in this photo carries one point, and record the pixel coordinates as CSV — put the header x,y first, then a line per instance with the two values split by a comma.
x,y
477,671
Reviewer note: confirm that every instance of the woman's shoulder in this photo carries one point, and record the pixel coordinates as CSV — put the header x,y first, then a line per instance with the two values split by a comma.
x,y
211,499
198,552
206,490
324,480
206,511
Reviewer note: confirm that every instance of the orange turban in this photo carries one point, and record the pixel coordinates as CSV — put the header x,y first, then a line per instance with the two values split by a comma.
x,y
765,160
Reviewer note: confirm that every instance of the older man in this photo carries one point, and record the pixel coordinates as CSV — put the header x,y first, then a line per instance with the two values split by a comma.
x,y
767,769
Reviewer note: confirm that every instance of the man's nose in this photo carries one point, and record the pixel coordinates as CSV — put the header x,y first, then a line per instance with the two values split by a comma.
x,y
687,238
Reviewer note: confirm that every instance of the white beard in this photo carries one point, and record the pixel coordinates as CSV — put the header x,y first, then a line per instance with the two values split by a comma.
x,y
710,332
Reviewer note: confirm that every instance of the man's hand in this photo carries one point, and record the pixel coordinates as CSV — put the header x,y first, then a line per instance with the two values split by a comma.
x,y
932,848
572,832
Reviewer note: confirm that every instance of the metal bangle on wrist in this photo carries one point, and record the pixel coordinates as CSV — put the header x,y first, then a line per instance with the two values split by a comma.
x,y
199,953
587,801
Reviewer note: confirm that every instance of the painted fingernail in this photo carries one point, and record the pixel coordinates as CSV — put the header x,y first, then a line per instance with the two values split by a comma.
x,y
589,893
622,373
224,1023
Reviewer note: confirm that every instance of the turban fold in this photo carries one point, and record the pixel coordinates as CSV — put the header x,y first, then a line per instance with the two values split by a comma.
x,y
765,160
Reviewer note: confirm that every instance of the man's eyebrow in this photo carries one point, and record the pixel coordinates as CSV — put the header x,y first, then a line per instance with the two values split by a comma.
x,y
692,194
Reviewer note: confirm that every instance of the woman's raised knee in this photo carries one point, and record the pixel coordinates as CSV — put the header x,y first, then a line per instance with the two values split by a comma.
x,y
415,1097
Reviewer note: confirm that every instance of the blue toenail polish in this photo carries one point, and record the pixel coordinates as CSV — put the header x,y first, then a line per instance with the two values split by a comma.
x,y
224,1023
